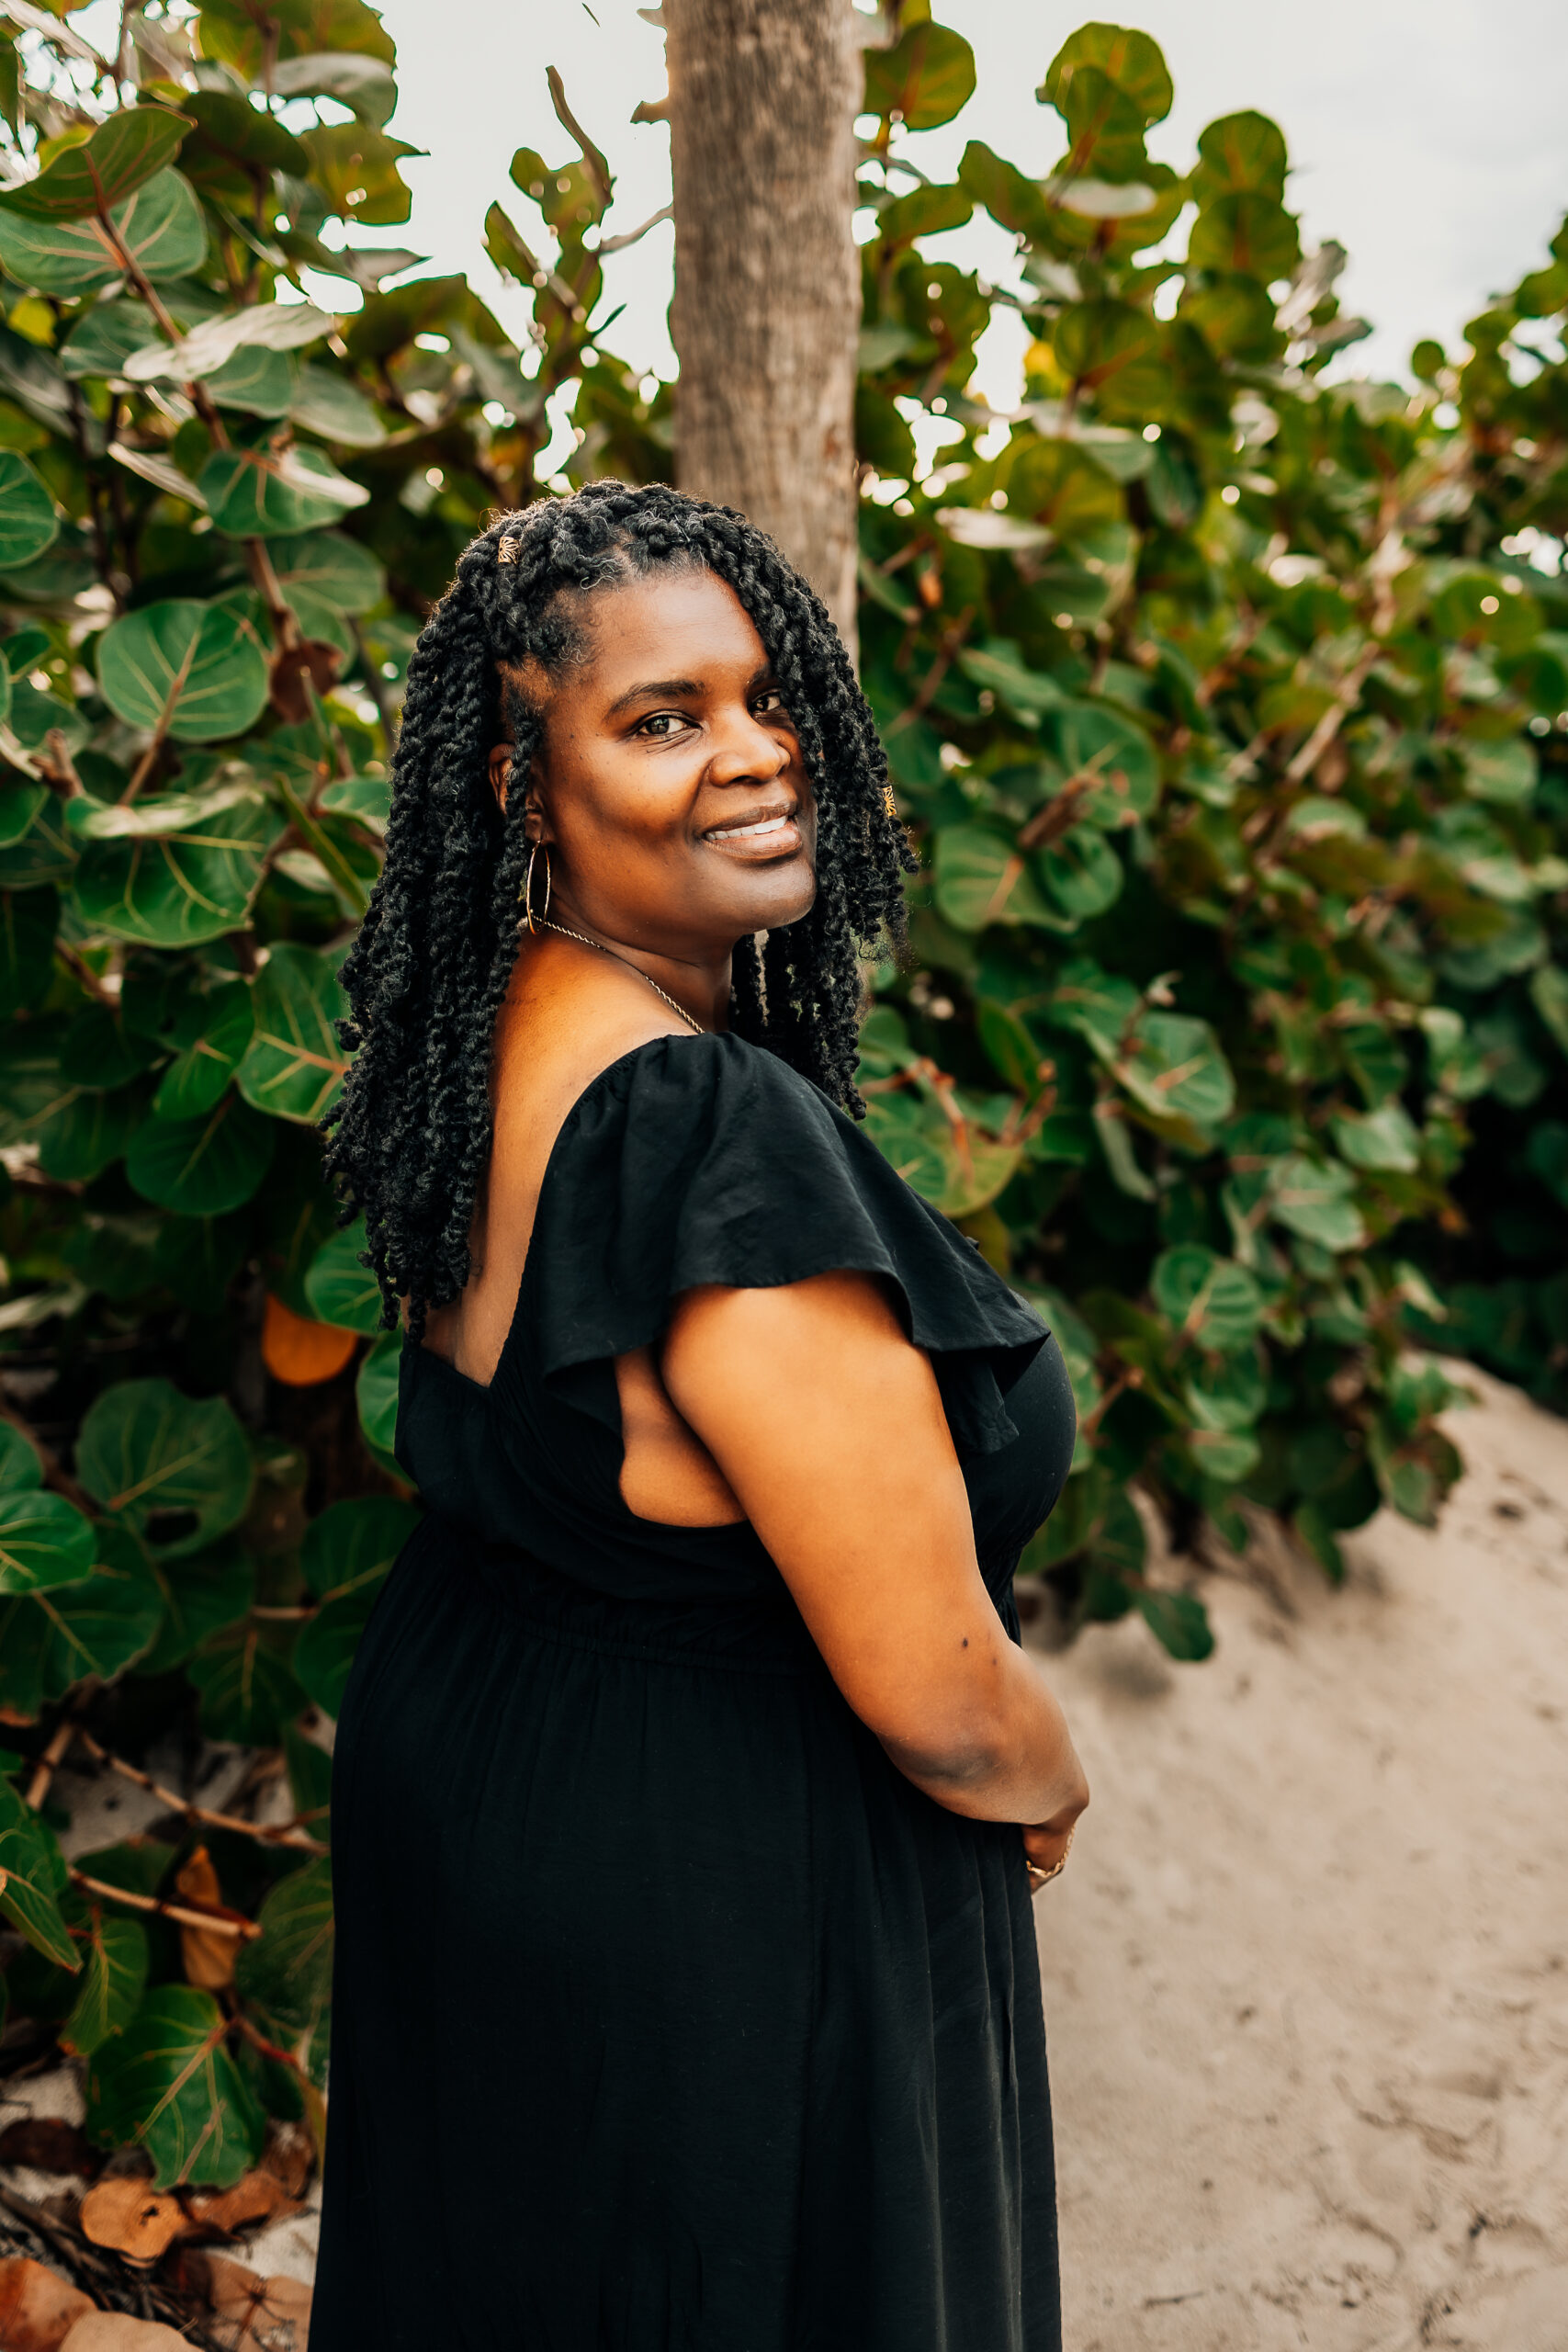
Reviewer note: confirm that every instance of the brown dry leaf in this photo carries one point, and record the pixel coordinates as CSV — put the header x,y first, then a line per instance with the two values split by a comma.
x,y
208,1958
289,2156
265,2314
259,2196
134,2221
47,2144
117,2332
312,658
37,2307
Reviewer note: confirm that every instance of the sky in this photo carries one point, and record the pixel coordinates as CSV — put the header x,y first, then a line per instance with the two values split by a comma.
x,y
1428,136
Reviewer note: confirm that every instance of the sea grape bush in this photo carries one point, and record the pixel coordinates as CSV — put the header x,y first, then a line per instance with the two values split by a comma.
x,y
1226,706
224,510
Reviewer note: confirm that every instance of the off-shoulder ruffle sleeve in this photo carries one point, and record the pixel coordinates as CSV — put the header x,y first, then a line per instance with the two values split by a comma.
x,y
709,1160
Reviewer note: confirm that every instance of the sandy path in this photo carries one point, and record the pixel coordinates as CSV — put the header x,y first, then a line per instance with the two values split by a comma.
x,y
1307,1972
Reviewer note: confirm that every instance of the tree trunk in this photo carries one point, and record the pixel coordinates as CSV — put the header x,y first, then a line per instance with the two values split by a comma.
x,y
763,98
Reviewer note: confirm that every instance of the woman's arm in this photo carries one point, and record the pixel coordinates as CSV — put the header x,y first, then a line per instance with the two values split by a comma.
x,y
829,1426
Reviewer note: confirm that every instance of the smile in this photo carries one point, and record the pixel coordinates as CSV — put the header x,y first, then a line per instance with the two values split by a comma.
x,y
748,833
774,831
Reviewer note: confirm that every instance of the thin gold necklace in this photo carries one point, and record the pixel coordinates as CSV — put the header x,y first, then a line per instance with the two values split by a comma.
x,y
543,923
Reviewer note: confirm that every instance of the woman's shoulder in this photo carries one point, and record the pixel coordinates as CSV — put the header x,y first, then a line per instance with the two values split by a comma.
x,y
708,1160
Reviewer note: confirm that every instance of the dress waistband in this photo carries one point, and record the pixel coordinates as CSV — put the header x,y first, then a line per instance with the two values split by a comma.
x,y
757,1633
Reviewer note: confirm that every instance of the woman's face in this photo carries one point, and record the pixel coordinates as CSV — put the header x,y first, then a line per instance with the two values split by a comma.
x,y
670,792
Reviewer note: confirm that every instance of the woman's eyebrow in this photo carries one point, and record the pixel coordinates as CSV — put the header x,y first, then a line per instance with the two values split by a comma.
x,y
659,688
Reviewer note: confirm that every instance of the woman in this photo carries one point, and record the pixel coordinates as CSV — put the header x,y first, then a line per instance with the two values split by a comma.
x,y
686,1994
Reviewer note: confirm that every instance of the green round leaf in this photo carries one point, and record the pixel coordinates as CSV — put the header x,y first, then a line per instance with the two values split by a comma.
x,y
44,1543
1112,762
287,1971
105,1622
1116,352
332,566
322,622
1230,1394
1240,153
193,884
20,803
256,382
294,1064
34,1874
350,1546
1179,1623
1506,772
235,148
22,1638
924,79
330,405
20,1468
167,2085
87,1135
367,798
1250,234
1130,61
248,1690
324,1651
253,494
113,1980
27,520
1208,1298
177,1471
1384,1138
200,1072
100,1050
375,1392
1314,1199
339,1288
202,664
202,1167
1081,872
1176,1070
102,170
160,226
982,877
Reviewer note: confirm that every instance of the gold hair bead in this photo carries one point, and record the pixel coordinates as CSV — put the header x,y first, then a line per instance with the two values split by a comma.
x,y
507,552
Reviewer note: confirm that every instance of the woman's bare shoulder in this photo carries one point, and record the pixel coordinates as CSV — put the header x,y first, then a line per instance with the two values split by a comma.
x,y
560,1030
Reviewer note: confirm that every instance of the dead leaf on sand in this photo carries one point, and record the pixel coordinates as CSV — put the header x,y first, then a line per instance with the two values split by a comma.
x,y
132,2219
37,2307
208,1957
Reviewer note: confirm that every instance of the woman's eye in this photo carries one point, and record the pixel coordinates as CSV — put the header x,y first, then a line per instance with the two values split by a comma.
x,y
767,705
661,724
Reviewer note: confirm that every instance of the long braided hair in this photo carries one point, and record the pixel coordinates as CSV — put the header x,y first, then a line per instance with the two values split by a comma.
x,y
408,1141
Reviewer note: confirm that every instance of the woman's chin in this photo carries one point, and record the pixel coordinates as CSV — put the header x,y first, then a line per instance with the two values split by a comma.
x,y
790,894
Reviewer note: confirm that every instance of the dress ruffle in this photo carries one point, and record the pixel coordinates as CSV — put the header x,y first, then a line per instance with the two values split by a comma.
x,y
656,1186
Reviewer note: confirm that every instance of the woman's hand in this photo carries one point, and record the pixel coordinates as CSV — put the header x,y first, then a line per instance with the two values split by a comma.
x,y
1045,1843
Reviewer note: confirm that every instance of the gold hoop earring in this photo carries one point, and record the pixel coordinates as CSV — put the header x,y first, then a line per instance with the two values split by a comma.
x,y
528,892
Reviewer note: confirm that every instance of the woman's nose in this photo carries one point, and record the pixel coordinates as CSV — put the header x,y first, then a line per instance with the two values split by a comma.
x,y
746,751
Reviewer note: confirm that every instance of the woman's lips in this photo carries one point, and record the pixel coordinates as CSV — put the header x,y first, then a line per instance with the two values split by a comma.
x,y
777,835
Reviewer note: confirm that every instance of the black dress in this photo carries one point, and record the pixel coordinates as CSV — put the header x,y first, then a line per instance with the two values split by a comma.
x,y
669,2016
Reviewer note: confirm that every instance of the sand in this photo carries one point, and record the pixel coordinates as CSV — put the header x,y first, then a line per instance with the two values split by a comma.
x,y
1306,1973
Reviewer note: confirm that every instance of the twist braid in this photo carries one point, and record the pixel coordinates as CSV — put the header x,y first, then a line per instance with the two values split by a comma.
x,y
430,968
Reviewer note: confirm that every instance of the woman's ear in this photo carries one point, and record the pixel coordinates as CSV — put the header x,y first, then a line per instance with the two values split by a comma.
x,y
500,771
